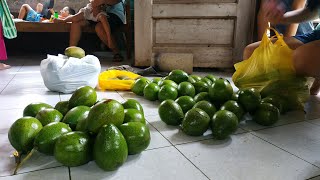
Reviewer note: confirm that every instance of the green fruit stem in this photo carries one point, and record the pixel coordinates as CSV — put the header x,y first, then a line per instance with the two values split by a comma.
x,y
23,161
17,156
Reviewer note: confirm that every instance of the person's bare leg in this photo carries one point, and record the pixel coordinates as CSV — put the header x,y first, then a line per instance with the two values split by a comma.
x,y
4,66
111,43
306,62
25,8
292,42
106,27
101,33
75,32
103,36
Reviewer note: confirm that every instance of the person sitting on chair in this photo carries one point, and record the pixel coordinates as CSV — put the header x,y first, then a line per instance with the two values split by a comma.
x,y
104,29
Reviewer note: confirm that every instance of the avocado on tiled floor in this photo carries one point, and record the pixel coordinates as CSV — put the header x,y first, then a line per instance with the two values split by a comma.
x,y
289,150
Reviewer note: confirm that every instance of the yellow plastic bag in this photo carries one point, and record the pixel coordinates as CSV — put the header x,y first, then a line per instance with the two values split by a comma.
x,y
270,70
109,80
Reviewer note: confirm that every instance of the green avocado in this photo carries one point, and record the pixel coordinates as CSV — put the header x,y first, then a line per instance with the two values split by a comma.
x,y
22,133
49,115
73,149
75,114
46,138
137,136
83,96
62,107
33,109
106,112
132,104
110,149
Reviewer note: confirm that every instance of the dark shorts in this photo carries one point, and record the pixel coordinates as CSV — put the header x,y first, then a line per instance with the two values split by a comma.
x,y
114,22
308,37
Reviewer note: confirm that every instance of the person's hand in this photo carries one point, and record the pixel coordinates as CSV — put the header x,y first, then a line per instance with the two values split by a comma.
x,y
274,11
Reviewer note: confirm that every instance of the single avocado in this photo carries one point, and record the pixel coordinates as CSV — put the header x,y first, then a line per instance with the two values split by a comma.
x,y
170,112
132,104
46,138
133,115
84,96
137,136
74,51
22,133
75,114
138,86
33,108
82,125
196,122
49,115
178,76
110,149
73,149
62,107
107,112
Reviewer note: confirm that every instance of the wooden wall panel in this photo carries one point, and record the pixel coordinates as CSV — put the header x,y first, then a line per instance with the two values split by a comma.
x,y
194,31
143,32
194,10
217,57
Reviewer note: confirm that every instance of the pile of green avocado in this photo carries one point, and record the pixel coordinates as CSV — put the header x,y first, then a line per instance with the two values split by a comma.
x,y
82,129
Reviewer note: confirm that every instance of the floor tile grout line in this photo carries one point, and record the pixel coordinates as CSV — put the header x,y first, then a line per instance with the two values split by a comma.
x,y
11,109
313,123
180,152
121,96
69,170
191,162
11,79
158,148
283,149
34,171
313,177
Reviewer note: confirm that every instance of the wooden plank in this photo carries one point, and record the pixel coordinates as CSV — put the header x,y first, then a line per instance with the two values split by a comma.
x,y
192,1
208,57
194,31
244,28
25,26
194,10
143,32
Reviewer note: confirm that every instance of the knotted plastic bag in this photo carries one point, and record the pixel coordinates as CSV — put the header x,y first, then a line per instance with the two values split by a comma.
x,y
270,70
117,80
63,74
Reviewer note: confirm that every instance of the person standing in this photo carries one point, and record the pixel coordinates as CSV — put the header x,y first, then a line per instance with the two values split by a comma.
x,y
7,30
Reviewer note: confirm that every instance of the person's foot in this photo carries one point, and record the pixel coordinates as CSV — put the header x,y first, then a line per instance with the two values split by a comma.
x,y
315,88
4,66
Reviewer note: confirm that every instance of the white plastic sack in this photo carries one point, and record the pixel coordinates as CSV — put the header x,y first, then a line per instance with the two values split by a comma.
x,y
65,75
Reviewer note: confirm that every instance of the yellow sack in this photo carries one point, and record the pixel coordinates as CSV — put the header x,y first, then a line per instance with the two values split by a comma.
x,y
270,70
117,80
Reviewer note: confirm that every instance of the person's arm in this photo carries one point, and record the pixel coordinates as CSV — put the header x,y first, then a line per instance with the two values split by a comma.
x,y
96,3
262,22
71,18
275,14
292,28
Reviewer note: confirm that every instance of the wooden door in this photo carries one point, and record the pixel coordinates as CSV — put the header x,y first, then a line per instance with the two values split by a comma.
x,y
214,31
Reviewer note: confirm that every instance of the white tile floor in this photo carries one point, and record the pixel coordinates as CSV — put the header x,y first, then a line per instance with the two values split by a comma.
x,y
288,150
